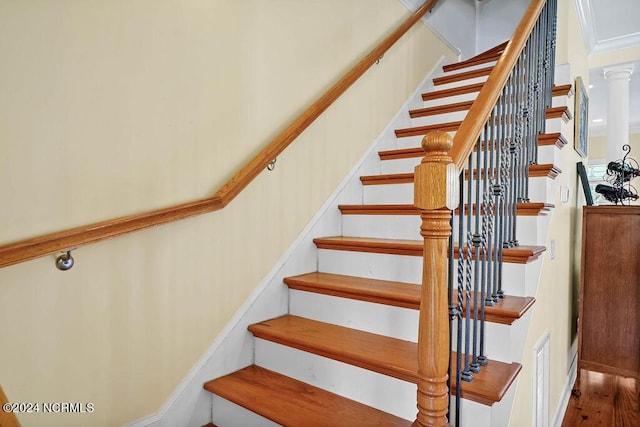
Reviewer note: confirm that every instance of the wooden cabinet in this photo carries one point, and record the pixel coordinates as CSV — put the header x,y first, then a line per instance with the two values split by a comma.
x,y
609,316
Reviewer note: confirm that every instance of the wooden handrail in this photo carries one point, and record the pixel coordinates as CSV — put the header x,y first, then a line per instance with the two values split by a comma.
x,y
7,418
16,252
468,132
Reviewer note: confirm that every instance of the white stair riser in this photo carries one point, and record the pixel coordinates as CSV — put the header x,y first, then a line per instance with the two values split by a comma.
x,y
521,279
518,279
450,99
413,141
382,226
549,154
530,230
381,319
541,189
503,342
228,414
456,116
470,68
400,268
473,414
560,101
407,165
388,194
554,125
386,393
459,83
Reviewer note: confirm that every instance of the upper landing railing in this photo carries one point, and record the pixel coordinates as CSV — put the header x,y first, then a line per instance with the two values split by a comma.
x,y
68,240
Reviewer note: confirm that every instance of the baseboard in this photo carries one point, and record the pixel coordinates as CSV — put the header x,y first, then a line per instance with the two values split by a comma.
x,y
190,404
566,395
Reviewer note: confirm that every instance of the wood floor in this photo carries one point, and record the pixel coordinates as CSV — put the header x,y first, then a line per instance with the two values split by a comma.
x,y
604,400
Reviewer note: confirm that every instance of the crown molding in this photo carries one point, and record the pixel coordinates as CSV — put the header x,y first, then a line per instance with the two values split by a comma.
x,y
593,42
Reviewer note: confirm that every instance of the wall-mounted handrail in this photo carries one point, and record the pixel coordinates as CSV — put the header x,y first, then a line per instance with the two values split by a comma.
x,y
16,252
468,132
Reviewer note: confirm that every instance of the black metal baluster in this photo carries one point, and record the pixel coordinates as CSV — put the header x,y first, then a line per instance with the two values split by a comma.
x,y
491,152
461,291
486,238
477,241
454,311
498,189
466,252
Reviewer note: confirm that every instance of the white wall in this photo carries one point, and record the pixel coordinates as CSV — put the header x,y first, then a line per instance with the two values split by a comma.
x,y
497,20
454,21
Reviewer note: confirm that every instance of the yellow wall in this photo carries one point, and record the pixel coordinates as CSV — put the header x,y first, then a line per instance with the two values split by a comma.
x,y
598,146
555,310
113,108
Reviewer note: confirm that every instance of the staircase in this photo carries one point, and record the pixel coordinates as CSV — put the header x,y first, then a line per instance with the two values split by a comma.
x,y
345,354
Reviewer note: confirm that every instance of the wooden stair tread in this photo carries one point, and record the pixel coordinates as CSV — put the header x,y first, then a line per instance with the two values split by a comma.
x,y
489,55
397,294
518,255
472,62
523,209
459,90
552,113
423,130
562,90
440,109
556,139
290,402
450,78
535,171
378,353
543,139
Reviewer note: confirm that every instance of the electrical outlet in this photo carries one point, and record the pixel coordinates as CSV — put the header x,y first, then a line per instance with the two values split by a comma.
x,y
552,249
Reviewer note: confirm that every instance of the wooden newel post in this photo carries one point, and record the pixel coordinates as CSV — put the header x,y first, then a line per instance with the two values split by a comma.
x,y
435,195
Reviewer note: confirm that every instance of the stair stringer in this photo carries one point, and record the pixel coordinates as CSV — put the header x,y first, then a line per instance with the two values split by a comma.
x,y
233,348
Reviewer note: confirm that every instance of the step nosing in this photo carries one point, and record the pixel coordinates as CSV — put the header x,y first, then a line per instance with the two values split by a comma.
x,y
522,254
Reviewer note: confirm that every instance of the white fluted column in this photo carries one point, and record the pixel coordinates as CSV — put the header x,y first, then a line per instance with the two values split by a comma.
x,y
617,109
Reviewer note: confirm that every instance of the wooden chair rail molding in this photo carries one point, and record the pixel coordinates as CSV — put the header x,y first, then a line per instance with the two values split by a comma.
x,y
478,114
25,250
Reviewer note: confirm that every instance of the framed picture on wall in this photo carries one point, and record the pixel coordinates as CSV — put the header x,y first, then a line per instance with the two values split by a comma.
x,y
581,119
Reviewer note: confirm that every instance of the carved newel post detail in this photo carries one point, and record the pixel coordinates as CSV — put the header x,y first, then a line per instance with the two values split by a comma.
x,y
436,196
